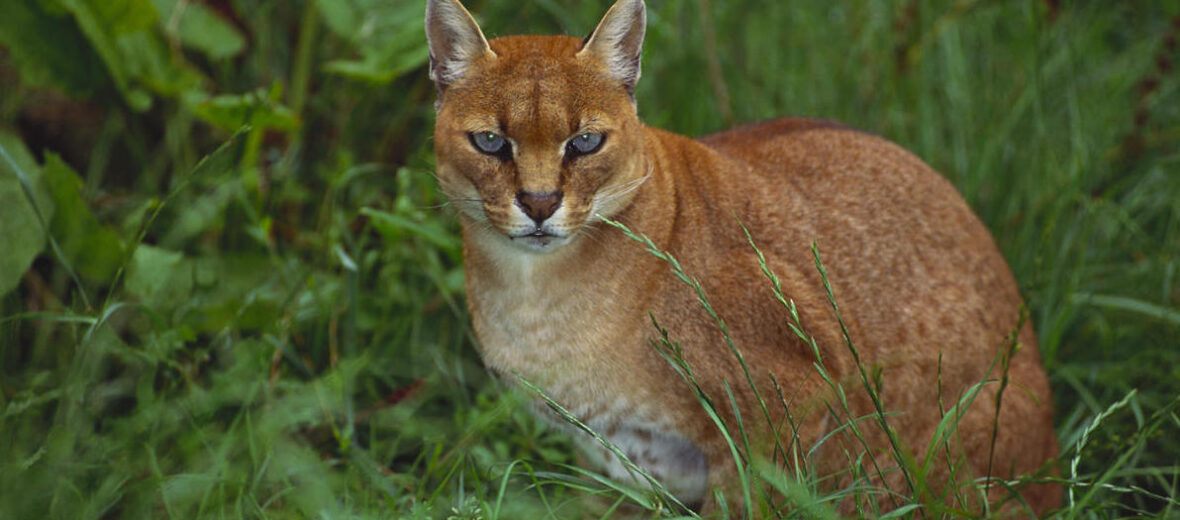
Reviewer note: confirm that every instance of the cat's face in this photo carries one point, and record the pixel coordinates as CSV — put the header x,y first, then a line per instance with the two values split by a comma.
x,y
536,138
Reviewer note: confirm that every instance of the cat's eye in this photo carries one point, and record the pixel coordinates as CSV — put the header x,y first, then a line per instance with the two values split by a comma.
x,y
491,143
583,144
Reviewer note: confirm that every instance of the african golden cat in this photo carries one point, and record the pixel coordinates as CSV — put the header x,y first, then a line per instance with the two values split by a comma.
x,y
538,139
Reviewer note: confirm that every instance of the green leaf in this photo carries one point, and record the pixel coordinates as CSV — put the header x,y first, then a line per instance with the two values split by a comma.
x,y
387,34
159,278
900,512
232,111
215,178
345,18
22,196
200,28
65,61
1125,303
395,227
380,68
148,62
120,16
122,33
99,21
94,249
237,289
224,159
201,213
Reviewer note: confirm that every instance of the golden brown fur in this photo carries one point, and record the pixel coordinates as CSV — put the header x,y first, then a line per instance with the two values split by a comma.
x,y
564,302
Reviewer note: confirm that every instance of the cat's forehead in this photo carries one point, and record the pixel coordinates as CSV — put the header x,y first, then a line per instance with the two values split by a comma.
x,y
513,48
537,88
544,60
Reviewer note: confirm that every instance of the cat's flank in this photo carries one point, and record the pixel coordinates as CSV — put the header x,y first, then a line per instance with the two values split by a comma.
x,y
538,136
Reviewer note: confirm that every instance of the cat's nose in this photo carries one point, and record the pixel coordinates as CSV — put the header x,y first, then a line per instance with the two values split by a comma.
x,y
539,206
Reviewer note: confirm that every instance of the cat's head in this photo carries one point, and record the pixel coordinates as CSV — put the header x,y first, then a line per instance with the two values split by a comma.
x,y
536,135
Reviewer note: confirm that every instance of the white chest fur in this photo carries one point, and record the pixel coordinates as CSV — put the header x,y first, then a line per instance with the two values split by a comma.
x,y
570,338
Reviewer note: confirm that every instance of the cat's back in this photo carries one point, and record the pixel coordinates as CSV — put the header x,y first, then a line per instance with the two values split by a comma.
x,y
886,224
796,180
819,155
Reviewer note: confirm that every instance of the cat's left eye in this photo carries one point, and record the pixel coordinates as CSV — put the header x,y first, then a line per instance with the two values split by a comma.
x,y
583,144
492,144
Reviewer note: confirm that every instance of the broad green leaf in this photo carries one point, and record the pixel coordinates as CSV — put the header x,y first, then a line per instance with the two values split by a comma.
x,y
92,248
343,18
159,278
148,61
22,231
186,487
95,19
232,111
122,33
198,27
388,35
65,61
380,68
120,16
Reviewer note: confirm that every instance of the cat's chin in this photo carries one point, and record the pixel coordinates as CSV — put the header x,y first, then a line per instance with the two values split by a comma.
x,y
539,242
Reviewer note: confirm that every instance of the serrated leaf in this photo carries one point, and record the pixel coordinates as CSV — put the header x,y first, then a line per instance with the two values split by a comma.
x,y
22,231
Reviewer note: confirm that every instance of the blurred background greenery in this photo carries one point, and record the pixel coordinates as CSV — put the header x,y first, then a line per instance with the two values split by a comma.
x,y
229,287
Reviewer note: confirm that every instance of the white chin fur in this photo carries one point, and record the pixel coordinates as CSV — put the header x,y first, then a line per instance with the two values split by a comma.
x,y
541,244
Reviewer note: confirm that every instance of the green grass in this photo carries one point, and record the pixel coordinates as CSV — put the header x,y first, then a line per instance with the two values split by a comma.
x,y
229,287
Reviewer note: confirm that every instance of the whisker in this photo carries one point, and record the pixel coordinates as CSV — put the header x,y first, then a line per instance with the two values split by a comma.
x,y
615,192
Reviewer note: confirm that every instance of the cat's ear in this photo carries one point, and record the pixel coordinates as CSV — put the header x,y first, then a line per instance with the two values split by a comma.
x,y
618,41
455,41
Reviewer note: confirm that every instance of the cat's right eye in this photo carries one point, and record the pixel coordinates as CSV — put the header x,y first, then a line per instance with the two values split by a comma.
x,y
583,144
491,143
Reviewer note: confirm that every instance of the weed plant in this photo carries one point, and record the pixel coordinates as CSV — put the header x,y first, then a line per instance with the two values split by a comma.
x,y
229,287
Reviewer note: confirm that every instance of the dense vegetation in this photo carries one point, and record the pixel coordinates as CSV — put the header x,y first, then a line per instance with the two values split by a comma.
x,y
229,287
